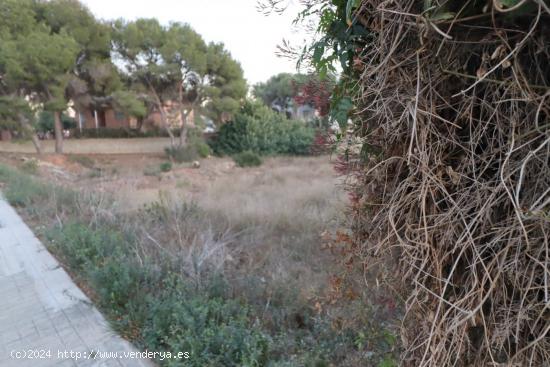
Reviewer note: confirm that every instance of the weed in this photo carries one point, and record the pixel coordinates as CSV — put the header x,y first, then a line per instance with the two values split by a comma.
x,y
30,166
187,153
165,166
21,190
247,159
152,171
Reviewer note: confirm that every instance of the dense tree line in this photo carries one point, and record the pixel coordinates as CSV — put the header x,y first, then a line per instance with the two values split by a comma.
x,y
53,53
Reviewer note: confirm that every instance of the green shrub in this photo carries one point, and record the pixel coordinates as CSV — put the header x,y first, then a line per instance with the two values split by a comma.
x,y
264,132
30,166
45,122
196,147
247,159
151,171
166,166
203,149
169,315
187,153
22,190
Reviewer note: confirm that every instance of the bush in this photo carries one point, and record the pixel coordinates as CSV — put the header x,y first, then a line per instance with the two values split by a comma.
x,y
151,171
187,153
196,147
153,306
30,166
247,159
203,150
166,166
264,132
21,190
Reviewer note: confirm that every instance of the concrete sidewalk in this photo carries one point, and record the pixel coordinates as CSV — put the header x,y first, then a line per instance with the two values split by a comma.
x,y
43,314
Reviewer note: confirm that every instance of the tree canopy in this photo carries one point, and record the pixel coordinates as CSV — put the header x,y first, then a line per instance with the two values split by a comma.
x,y
53,52
173,63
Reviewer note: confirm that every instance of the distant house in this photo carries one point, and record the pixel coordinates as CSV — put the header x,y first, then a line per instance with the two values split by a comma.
x,y
106,118
5,135
87,118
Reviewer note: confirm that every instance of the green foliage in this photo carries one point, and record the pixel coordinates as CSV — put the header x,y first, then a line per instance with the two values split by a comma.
x,y
152,171
214,331
129,103
279,88
116,133
180,154
39,61
247,159
196,140
169,315
46,121
21,190
194,148
157,59
262,131
30,166
12,109
165,166
17,17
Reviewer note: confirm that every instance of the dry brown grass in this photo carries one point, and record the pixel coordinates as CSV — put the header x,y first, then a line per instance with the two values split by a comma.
x,y
282,208
455,113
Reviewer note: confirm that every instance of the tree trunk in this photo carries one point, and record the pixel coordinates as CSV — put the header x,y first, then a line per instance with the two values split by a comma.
x,y
139,123
184,127
28,128
164,120
58,129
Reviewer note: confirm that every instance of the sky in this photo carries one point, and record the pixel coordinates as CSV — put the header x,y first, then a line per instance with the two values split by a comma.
x,y
249,35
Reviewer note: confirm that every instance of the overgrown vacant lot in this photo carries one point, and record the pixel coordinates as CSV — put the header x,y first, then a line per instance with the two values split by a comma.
x,y
224,262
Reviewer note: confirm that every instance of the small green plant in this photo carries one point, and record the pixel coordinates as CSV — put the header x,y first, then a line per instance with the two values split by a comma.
x,y
247,159
30,166
95,173
151,171
203,150
187,153
165,166
21,189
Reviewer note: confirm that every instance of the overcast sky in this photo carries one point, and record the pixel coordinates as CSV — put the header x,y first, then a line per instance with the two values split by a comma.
x,y
250,36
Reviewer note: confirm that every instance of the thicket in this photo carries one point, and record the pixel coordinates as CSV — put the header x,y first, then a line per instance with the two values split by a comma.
x,y
448,164
258,129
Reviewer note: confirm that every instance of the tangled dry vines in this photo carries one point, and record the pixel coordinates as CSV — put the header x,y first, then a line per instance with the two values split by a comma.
x,y
454,110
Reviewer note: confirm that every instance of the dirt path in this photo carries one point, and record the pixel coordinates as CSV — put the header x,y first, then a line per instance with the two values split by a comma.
x,y
92,146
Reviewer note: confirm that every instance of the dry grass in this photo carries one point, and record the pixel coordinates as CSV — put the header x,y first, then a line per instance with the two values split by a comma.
x,y
282,208
459,111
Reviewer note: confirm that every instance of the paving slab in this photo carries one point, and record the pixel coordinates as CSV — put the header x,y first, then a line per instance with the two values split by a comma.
x,y
45,319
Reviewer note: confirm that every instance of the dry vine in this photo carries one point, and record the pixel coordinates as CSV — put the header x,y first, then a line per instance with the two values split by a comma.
x,y
455,113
